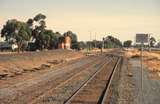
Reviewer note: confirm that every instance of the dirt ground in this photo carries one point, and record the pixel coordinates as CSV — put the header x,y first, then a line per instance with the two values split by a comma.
x,y
126,88
150,59
130,89
12,64
53,85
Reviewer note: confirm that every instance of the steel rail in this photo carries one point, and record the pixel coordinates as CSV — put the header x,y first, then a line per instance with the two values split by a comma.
x,y
108,85
105,91
86,82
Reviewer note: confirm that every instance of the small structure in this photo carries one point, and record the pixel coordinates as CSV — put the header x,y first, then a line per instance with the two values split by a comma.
x,y
61,45
65,42
6,46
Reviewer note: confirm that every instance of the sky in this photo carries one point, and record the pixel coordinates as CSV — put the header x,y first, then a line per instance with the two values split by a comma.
x,y
89,19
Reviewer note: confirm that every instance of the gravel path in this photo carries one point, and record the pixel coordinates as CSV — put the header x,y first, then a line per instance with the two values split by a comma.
x,y
151,87
129,88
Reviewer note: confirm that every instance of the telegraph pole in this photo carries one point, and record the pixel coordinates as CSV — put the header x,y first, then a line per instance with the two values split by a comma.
x,y
142,39
142,73
149,46
95,40
90,40
102,45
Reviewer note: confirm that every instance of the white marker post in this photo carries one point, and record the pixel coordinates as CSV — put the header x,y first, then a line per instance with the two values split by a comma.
x,y
142,38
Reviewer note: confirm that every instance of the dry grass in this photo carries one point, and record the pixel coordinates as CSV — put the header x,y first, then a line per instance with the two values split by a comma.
x,y
12,64
151,60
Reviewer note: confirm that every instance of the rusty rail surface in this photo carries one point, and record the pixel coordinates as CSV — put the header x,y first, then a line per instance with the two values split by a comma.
x,y
99,83
106,94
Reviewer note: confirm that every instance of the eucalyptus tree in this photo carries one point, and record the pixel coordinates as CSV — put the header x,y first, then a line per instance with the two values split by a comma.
x,y
55,40
152,41
16,32
112,42
127,43
39,31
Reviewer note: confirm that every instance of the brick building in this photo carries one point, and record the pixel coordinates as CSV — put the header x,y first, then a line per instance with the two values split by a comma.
x,y
65,42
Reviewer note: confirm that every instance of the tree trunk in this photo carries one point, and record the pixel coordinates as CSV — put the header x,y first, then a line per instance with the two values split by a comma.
x,y
19,47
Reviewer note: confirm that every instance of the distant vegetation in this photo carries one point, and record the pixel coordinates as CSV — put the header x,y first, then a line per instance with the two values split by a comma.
x,y
34,32
32,35
152,41
112,42
107,42
127,43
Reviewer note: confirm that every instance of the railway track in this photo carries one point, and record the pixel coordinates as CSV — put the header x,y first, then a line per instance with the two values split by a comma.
x,y
56,95
74,83
96,89
32,90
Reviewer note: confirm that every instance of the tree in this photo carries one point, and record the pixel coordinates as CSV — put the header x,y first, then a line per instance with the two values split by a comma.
x,y
61,39
127,43
152,41
56,37
16,32
30,22
39,33
82,45
158,44
99,44
112,42
39,17
43,38
90,45
34,33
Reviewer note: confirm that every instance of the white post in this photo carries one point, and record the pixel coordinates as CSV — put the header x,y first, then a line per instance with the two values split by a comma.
x,y
95,40
90,41
141,73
